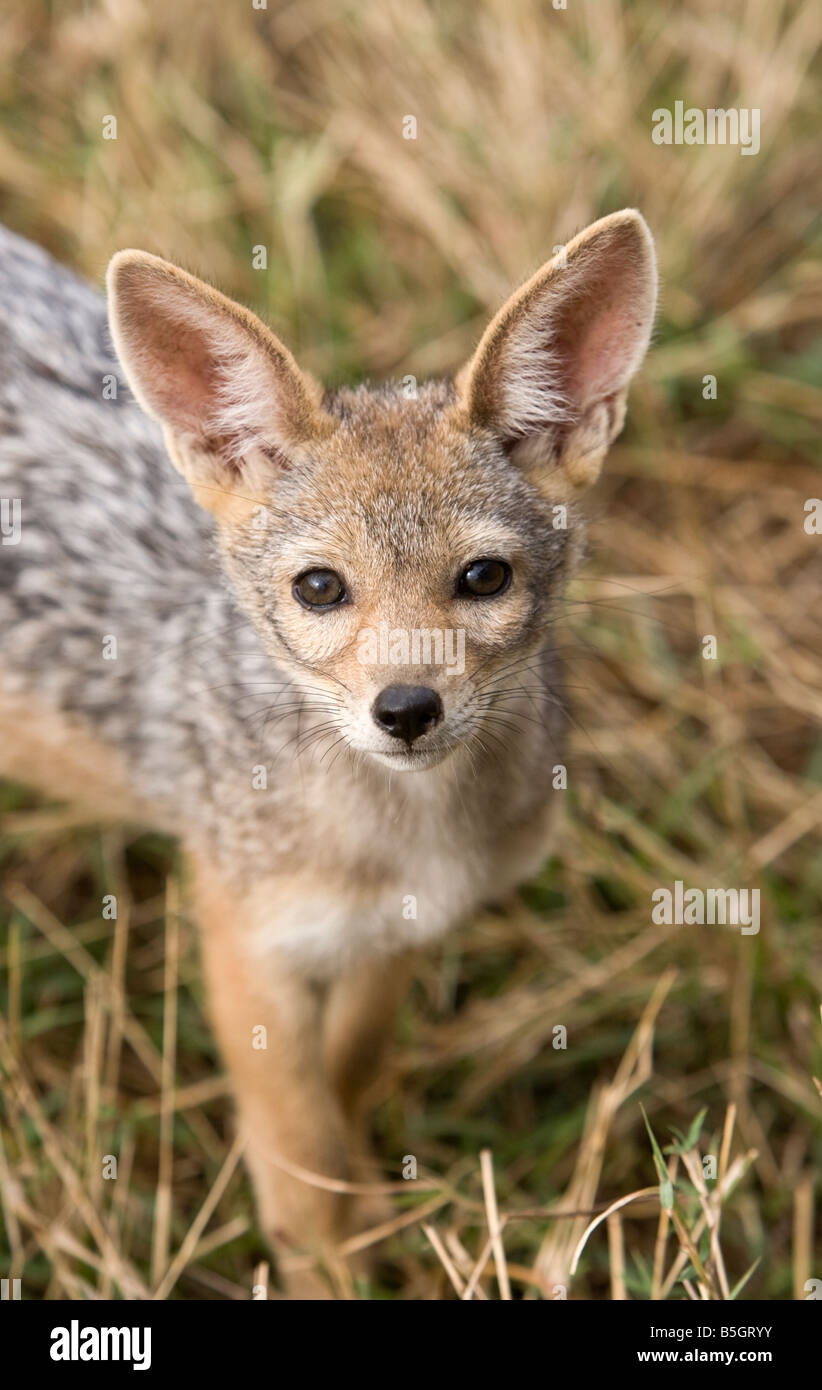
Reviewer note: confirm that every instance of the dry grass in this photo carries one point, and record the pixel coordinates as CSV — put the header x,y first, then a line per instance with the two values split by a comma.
x,y
283,129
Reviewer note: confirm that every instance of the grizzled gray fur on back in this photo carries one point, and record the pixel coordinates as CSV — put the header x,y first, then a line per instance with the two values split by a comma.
x,y
112,544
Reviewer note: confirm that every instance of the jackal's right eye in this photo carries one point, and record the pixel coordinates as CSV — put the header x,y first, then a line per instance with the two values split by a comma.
x,y
319,589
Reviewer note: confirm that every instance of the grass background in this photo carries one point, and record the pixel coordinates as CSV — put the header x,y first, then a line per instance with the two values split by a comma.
x,y
238,128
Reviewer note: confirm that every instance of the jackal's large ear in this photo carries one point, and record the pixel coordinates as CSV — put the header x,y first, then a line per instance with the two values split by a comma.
x,y
232,402
551,373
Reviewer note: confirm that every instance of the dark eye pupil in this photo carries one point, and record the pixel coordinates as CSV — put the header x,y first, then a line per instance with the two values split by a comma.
x,y
485,577
318,588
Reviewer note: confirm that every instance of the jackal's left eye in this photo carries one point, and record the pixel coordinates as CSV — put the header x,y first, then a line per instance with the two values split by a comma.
x,y
484,578
319,589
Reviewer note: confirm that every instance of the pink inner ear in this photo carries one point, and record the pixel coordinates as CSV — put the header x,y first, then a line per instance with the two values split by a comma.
x,y
606,355
574,335
206,368
603,325
177,368
181,396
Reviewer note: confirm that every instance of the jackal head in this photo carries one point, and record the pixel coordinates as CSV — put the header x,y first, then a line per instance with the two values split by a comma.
x,y
399,550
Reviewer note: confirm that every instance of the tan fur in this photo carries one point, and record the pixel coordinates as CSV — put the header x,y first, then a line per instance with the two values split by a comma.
x,y
299,1097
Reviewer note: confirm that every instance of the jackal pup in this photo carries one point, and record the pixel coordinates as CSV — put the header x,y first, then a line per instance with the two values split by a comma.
x,y
245,674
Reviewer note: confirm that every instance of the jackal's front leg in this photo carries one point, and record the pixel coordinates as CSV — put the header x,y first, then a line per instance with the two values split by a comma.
x,y
269,1023
359,1017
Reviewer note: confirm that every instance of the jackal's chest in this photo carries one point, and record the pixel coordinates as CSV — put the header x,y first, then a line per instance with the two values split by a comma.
x,y
325,926
325,916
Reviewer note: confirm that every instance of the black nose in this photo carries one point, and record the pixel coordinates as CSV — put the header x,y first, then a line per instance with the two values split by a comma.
x,y
407,711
